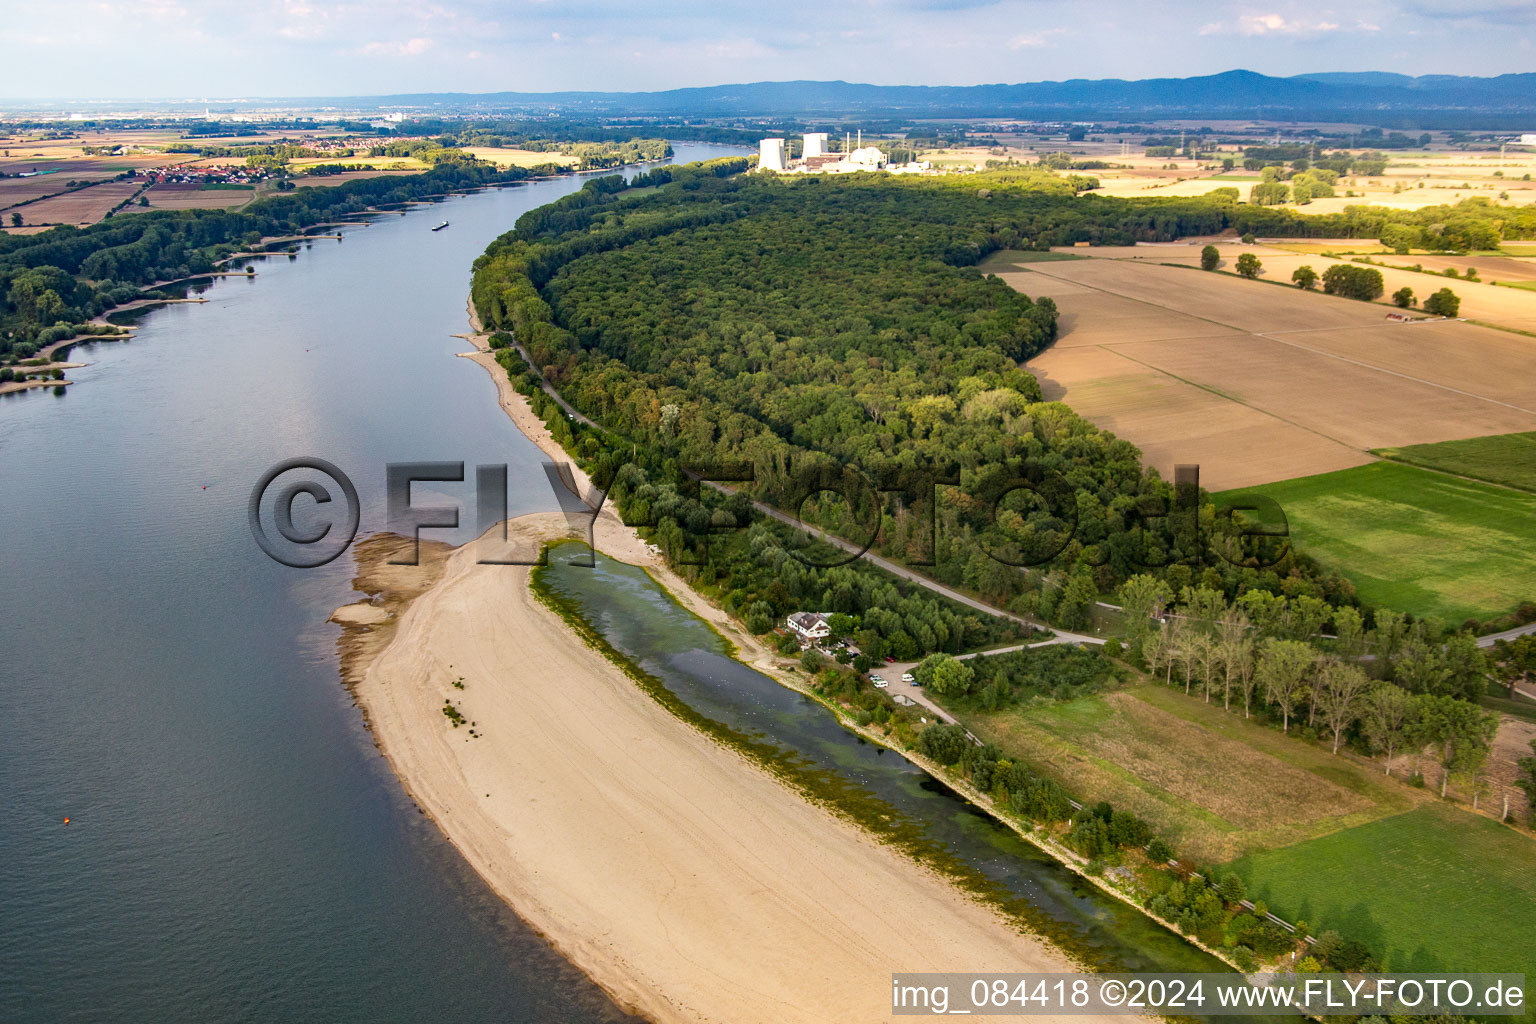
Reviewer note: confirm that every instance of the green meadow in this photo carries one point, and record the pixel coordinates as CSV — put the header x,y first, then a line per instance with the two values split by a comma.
x,y
1433,889
1415,540
1508,459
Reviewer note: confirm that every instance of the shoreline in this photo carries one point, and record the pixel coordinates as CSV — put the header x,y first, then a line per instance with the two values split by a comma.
x,y
683,878
816,945
751,652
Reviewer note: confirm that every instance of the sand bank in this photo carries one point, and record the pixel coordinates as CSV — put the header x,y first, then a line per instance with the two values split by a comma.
x,y
684,879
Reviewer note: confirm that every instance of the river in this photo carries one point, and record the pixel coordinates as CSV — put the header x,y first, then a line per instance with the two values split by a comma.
x,y
236,848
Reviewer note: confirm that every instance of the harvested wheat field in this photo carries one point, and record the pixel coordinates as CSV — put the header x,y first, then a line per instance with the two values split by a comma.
x,y
82,207
1257,383
1480,300
328,180
193,196
517,157
24,190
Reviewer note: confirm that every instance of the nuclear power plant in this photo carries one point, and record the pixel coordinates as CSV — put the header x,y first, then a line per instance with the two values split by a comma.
x,y
770,155
773,155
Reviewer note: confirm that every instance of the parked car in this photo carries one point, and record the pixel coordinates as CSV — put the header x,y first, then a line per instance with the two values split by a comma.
x,y
907,677
879,681
890,660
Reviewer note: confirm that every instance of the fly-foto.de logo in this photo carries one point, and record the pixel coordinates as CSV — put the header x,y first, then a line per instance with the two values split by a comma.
x,y
305,512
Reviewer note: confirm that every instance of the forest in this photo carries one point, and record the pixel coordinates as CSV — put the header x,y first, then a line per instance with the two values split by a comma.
x,y
828,346
826,335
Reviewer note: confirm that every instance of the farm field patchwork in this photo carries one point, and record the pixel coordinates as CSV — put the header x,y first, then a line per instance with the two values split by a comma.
x,y
1258,383
1415,540
1480,300
85,206
1432,889
1508,459
22,190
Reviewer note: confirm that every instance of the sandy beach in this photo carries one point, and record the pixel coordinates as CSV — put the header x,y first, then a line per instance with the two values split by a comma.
x,y
683,878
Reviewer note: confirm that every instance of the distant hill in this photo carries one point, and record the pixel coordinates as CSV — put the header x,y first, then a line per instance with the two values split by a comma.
x,y
1505,102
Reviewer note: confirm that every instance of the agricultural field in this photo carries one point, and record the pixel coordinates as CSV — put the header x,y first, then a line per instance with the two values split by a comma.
x,y
328,180
1412,179
1508,459
1255,382
300,165
1415,540
1431,889
518,157
68,156
192,196
81,207
25,190
1482,300
1214,785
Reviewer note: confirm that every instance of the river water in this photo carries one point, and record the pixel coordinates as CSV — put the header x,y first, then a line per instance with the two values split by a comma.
x,y
237,850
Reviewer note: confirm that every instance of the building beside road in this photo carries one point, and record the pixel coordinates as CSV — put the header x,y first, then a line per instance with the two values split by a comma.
x,y
810,627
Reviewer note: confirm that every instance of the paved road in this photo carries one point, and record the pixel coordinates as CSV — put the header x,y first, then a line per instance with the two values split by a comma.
x,y
1508,634
1061,635
892,674
896,569
549,388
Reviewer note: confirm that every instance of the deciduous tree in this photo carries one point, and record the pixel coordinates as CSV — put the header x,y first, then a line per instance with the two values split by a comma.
x,y
1443,303
1283,668
1386,717
1515,661
1341,691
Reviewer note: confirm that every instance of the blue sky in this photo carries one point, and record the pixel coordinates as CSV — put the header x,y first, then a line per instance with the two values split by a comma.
x,y
217,48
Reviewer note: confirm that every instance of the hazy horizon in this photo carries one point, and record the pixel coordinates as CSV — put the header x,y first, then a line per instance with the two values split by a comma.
x,y
161,49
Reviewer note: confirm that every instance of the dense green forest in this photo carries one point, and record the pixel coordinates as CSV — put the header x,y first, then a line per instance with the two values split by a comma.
x,y
55,280
819,334
798,329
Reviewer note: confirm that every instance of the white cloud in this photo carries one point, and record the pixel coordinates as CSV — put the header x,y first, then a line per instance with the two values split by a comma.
x,y
1272,24
1033,40
409,48
737,49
